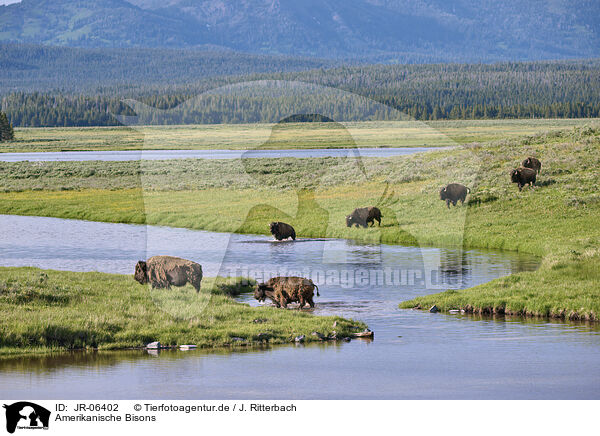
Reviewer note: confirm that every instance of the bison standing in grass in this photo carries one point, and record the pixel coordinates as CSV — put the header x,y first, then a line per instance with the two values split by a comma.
x,y
523,176
363,216
285,290
454,192
282,231
167,271
533,163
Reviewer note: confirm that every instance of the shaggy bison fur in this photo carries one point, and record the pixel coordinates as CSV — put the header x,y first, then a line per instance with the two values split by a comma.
x,y
454,192
285,290
533,163
363,216
282,231
523,176
167,271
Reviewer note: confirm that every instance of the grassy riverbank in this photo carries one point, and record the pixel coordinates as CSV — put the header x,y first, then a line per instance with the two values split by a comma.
x,y
250,136
557,220
44,310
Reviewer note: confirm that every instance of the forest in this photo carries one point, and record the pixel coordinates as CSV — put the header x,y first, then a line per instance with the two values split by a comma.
x,y
543,89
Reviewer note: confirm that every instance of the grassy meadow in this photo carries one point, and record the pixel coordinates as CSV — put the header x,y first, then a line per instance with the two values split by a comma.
x,y
557,221
292,135
73,310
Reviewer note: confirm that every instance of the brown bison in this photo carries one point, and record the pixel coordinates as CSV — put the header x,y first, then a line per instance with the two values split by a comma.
x,y
523,176
533,163
282,231
454,192
363,216
285,290
164,271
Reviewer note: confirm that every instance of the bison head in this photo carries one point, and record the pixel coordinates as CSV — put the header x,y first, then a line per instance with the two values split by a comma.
x,y
527,162
260,292
514,176
349,220
274,227
443,193
141,272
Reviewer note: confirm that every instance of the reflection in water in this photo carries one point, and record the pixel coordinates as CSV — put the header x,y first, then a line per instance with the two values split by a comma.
x,y
414,354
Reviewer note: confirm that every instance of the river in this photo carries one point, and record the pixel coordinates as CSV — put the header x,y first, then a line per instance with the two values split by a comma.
x,y
414,355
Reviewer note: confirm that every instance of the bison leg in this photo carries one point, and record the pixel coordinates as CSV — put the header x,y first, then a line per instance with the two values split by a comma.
x,y
283,302
378,222
448,203
311,303
302,303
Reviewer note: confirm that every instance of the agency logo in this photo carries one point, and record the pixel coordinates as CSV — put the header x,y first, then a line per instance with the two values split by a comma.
x,y
26,415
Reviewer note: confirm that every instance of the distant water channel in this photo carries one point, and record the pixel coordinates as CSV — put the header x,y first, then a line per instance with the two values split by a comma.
x,y
414,354
127,155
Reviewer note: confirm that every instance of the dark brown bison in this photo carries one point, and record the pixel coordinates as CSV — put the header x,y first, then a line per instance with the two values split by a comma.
x,y
454,192
282,231
523,176
533,163
363,216
285,290
167,271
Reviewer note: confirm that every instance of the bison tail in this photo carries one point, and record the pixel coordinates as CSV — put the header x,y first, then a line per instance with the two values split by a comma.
x,y
317,288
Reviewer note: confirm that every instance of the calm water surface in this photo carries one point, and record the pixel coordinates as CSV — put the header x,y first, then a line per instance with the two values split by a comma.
x,y
126,155
414,354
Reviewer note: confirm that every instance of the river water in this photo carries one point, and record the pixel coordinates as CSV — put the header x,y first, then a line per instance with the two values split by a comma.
x,y
127,155
414,354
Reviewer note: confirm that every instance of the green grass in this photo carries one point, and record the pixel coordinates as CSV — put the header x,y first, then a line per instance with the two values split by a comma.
x,y
304,135
557,220
45,310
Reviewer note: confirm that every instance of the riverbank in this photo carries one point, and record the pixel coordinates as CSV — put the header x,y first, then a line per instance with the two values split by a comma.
x,y
557,220
47,310
294,136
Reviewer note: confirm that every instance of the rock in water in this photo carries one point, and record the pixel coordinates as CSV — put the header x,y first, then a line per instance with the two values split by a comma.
x,y
300,338
434,309
153,345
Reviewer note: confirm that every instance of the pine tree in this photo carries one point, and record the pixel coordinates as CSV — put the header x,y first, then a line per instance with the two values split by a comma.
x,y
6,130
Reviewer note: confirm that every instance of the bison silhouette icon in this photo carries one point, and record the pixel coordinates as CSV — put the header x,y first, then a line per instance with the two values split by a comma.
x,y
26,415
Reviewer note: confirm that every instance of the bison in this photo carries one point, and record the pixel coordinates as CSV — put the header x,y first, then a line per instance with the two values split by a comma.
x,y
454,192
282,231
164,271
523,176
533,163
285,290
363,216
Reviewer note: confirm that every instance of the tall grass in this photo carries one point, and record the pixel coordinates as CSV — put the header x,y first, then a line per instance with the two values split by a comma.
x,y
45,310
249,136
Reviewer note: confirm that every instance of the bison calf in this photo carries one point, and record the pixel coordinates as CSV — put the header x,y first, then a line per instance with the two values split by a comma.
x,y
454,192
523,176
285,290
533,163
282,231
363,216
167,271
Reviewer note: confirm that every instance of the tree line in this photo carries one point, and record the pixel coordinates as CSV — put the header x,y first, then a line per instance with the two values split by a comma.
x,y
561,89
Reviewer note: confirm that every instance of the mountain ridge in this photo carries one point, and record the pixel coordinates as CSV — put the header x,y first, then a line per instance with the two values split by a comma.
x,y
391,30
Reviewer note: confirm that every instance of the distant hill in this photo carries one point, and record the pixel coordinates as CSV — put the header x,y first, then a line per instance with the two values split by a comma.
x,y
383,30
26,67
